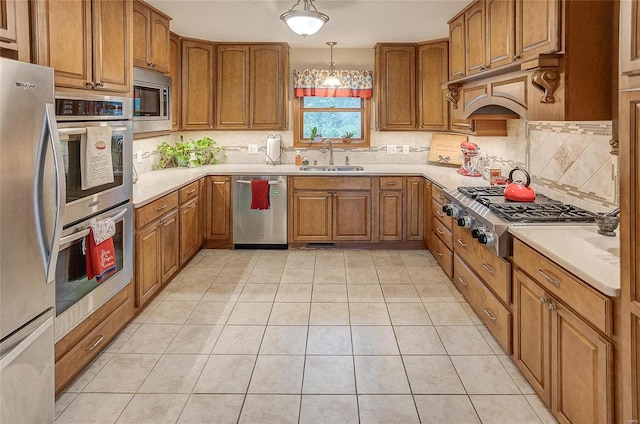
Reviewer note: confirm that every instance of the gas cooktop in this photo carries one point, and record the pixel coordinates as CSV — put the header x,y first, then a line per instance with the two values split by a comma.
x,y
543,209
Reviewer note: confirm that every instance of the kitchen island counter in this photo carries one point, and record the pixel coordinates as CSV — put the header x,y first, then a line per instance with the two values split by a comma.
x,y
580,250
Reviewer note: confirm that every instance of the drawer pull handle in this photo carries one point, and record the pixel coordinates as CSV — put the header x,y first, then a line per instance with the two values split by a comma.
x,y
391,183
462,281
221,182
439,196
548,277
461,243
543,300
487,313
439,214
97,342
193,205
552,307
161,207
488,268
439,254
193,190
439,231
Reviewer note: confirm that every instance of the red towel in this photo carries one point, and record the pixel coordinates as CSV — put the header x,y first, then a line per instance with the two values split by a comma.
x,y
260,194
100,259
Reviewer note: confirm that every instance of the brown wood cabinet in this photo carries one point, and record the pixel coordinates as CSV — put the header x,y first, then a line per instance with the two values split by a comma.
x,y
414,211
432,72
427,213
190,221
390,208
14,30
88,43
251,90
218,218
157,250
457,48
326,209
150,38
500,38
441,236
562,339
537,27
409,78
175,72
78,348
197,85
474,38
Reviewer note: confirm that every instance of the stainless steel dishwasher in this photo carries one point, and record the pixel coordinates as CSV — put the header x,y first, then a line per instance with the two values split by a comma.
x,y
260,229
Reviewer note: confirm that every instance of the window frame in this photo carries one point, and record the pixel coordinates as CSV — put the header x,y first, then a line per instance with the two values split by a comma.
x,y
300,141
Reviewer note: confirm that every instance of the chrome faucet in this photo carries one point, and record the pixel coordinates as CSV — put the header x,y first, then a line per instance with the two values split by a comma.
x,y
324,141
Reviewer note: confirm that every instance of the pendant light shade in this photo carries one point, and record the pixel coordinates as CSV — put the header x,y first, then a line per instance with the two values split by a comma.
x,y
332,81
304,22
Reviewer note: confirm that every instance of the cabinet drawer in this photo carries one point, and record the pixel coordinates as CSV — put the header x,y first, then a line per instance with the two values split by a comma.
x,y
189,191
391,183
493,270
156,209
443,233
442,254
331,183
447,221
586,301
437,195
461,277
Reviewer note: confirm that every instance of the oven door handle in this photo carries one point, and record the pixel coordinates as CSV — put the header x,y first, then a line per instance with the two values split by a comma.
x,y
49,248
83,130
66,241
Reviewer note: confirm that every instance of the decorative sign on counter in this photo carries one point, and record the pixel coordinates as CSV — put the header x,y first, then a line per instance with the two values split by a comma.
x,y
445,149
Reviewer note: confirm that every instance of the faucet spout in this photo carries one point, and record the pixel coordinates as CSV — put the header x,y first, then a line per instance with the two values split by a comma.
x,y
330,142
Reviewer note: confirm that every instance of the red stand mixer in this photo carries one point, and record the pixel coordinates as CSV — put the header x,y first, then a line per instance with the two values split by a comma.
x,y
467,168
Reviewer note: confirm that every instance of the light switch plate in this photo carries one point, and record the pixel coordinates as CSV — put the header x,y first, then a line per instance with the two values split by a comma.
x,y
139,156
253,149
392,149
405,149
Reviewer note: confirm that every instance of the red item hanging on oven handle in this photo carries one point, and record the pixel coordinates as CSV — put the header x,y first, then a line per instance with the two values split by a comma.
x,y
518,191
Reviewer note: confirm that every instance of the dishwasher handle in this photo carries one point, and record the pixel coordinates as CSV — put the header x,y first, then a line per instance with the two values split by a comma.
x,y
249,182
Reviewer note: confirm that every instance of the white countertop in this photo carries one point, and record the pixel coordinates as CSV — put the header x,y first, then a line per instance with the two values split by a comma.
x,y
581,250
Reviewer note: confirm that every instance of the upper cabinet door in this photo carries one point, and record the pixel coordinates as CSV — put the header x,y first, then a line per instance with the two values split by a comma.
x,y
269,79
232,88
630,37
500,34
197,85
141,34
112,44
456,48
396,84
537,27
175,71
151,38
433,65
474,38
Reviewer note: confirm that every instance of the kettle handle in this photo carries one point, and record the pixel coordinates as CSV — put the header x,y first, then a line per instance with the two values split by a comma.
x,y
524,172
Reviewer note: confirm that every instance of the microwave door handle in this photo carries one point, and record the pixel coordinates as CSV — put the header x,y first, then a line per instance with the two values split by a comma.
x,y
49,248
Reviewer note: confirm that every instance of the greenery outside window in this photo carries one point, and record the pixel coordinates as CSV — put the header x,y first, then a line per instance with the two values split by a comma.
x,y
333,117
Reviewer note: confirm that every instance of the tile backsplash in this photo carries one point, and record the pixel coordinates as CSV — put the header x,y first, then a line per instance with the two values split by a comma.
x,y
569,161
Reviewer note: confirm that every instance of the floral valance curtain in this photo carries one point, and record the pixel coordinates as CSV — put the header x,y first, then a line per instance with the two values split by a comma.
x,y
308,82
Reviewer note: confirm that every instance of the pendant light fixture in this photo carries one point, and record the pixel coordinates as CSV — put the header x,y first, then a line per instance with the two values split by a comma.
x,y
332,80
304,22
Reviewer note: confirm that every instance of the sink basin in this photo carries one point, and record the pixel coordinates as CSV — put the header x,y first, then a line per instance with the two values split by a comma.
x,y
331,168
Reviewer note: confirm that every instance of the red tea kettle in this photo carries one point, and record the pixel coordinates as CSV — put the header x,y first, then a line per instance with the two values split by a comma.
x,y
519,191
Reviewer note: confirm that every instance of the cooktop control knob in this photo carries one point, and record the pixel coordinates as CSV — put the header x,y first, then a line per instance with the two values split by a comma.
x,y
465,221
453,210
476,232
487,238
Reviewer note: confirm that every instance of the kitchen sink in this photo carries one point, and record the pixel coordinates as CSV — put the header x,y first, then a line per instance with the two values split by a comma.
x,y
331,168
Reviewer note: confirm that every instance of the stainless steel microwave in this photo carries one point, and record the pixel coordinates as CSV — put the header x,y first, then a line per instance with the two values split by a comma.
x,y
151,101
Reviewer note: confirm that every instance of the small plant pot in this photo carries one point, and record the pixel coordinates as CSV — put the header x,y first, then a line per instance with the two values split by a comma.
x,y
346,140
317,139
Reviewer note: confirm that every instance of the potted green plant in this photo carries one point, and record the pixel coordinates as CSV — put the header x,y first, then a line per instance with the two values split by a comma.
x,y
315,135
203,151
346,137
167,153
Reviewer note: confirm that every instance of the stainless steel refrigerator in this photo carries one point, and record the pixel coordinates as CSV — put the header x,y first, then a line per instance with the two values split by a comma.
x,y
31,205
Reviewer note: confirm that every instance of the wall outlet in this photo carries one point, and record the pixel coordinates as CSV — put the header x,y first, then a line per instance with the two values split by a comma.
x,y
139,156
253,149
392,149
405,149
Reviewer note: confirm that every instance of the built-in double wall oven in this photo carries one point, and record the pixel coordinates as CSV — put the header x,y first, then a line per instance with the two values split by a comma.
x,y
95,136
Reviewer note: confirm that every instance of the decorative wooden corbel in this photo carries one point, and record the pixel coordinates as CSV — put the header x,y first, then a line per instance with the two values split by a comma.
x,y
546,80
452,94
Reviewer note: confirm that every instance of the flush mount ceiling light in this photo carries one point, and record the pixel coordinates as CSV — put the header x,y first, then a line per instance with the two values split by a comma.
x,y
304,22
332,80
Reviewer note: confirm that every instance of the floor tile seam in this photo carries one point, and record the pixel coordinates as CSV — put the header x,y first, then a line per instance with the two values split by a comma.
x,y
535,411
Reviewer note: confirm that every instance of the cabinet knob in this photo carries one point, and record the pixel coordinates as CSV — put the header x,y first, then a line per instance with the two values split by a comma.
x,y
517,57
89,84
543,300
552,307
99,84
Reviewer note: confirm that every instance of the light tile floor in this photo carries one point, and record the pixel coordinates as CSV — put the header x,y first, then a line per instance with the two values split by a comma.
x,y
304,336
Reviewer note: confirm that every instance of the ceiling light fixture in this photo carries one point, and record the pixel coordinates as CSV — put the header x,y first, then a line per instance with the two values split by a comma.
x,y
304,22
332,80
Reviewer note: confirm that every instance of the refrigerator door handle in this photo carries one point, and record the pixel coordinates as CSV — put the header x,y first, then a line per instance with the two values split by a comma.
x,y
31,333
49,248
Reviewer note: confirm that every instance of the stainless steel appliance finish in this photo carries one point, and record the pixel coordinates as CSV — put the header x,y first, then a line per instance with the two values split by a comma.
x,y
488,215
75,113
151,101
77,297
31,209
259,228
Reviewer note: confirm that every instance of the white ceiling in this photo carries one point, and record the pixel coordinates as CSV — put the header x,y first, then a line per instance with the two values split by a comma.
x,y
352,24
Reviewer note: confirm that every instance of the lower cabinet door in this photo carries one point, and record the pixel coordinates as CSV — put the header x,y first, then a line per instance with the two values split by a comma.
x,y
189,230
390,215
147,263
170,245
312,215
582,363
352,215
